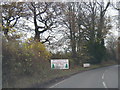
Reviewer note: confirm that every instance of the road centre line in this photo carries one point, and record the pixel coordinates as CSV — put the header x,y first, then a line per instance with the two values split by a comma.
x,y
104,84
103,76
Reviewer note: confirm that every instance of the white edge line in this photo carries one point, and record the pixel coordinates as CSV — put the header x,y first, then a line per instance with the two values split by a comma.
x,y
57,84
104,85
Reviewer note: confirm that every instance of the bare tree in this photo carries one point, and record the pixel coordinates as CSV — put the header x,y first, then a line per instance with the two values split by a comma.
x,y
112,46
44,18
11,13
87,25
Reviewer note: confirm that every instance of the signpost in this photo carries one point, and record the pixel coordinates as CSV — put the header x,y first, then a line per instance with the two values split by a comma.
x,y
60,64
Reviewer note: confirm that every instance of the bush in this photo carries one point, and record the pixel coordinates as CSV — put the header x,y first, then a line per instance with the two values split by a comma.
x,y
37,49
21,60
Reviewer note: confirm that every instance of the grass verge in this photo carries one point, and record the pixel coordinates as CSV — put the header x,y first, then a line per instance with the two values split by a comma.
x,y
51,76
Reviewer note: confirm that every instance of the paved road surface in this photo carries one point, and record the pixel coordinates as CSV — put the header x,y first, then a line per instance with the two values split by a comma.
x,y
106,77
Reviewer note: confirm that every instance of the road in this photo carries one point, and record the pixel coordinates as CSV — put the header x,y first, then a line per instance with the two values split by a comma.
x,y
106,77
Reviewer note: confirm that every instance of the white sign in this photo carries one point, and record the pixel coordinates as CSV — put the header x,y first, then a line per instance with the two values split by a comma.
x,y
86,65
60,64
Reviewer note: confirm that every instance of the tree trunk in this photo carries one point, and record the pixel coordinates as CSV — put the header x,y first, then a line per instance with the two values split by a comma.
x,y
37,36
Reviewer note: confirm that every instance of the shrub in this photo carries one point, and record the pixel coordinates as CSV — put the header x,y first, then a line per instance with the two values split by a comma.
x,y
22,60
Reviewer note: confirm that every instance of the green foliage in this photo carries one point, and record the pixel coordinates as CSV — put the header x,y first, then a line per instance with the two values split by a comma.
x,y
98,52
20,60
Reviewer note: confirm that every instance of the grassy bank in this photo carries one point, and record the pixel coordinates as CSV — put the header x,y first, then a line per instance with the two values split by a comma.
x,y
50,74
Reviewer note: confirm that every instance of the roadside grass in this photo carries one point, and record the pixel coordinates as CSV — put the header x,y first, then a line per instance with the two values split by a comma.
x,y
49,74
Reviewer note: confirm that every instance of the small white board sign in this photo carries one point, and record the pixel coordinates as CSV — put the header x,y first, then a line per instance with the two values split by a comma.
x,y
60,64
86,65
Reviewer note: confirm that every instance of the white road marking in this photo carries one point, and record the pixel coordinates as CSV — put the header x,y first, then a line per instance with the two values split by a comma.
x,y
104,85
57,84
103,76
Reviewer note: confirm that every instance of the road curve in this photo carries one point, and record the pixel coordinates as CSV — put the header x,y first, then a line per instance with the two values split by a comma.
x,y
106,77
